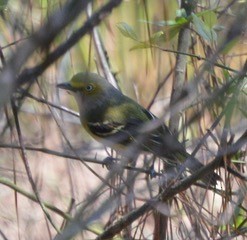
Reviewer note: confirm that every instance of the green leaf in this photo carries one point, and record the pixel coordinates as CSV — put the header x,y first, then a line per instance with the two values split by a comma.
x,y
230,45
202,13
173,31
158,37
203,30
210,19
141,45
169,23
127,30
181,21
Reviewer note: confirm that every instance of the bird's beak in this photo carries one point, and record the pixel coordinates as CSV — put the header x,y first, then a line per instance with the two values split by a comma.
x,y
66,86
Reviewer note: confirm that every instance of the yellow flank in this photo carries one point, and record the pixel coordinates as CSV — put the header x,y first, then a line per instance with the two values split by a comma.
x,y
115,114
118,113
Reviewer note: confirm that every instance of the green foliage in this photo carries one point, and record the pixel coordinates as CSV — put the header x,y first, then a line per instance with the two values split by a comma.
x,y
127,31
203,29
203,22
240,220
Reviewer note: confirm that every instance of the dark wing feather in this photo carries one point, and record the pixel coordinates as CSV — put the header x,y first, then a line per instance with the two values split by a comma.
x,y
160,141
114,132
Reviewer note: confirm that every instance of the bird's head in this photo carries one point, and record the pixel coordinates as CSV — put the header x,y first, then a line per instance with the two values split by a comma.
x,y
90,90
87,84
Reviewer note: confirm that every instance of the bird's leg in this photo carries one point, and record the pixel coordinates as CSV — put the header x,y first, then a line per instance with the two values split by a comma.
x,y
171,172
152,172
108,162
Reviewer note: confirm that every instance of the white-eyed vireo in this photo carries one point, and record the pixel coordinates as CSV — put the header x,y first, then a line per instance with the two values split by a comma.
x,y
119,122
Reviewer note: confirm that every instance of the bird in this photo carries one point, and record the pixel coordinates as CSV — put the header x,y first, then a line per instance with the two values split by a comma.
x,y
119,122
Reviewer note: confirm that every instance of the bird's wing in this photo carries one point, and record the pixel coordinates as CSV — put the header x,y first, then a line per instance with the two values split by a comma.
x,y
124,131
119,122
115,132
162,142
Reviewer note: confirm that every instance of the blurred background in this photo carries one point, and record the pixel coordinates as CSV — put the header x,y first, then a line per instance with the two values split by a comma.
x,y
139,41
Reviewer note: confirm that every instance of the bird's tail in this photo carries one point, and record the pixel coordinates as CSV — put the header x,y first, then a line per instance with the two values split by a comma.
x,y
191,164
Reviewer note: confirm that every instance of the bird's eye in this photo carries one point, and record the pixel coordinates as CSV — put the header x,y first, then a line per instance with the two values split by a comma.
x,y
89,87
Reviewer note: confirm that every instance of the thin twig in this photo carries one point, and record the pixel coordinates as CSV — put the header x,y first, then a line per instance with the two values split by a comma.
x,y
32,197
27,167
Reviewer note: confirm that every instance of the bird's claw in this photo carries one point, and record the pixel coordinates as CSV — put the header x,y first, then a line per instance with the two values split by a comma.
x,y
152,173
108,162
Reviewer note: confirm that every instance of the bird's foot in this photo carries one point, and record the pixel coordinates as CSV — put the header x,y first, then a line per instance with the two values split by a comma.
x,y
108,162
152,173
